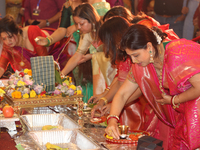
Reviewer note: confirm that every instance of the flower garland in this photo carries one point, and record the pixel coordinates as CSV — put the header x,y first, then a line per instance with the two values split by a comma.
x,y
20,85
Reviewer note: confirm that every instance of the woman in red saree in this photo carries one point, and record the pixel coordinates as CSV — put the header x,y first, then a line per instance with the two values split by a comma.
x,y
20,45
168,76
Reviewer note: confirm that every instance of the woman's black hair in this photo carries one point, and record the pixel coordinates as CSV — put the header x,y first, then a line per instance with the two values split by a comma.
x,y
8,25
137,37
110,33
119,11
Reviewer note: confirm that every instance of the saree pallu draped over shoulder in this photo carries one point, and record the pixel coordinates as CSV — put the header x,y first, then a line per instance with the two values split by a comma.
x,y
186,63
181,61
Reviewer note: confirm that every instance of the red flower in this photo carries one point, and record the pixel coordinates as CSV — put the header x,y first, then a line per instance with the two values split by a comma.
x,y
21,74
42,93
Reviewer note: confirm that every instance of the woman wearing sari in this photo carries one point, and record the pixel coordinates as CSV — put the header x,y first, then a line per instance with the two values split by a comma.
x,y
19,45
123,65
168,76
88,22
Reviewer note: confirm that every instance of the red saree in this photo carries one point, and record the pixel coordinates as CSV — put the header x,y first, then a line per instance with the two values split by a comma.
x,y
135,109
180,128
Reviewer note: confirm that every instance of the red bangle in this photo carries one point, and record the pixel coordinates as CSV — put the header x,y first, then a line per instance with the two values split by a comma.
x,y
112,116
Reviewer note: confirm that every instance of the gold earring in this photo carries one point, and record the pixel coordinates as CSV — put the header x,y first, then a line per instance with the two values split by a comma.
x,y
94,30
151,57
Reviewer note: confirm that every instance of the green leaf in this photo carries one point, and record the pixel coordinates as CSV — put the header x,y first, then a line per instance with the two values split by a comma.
x,y
57,77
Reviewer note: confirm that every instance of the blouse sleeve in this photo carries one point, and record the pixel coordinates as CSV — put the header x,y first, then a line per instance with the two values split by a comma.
x,y
4,59
84,43
65,17
123,69
130,76
33,32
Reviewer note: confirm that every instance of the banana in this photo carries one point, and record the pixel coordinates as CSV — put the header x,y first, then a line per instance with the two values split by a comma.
x,y
50,146
48,127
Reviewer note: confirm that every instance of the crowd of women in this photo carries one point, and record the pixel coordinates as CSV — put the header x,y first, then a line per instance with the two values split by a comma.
x,y
142,74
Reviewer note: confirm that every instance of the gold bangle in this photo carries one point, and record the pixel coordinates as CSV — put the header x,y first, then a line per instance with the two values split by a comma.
x,y
175,105
105,100
50,39
107,89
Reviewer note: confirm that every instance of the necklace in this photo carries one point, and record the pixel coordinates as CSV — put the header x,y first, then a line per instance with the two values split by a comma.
x,y
161,57
21,62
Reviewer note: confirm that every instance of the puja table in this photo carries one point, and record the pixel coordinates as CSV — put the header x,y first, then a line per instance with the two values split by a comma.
x,y
9,123
95,132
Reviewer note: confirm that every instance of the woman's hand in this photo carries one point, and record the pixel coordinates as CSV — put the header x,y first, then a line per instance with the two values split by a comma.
x,y
42,23
95,98
112,128
85,58
105,109
98,106
180,18
42,41
70,30
165,100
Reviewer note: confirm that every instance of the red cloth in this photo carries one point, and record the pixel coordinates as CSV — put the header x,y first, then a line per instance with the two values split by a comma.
x,y
48,8
133,113
6,142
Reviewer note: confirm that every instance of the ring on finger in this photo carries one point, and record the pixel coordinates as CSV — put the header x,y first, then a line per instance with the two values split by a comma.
x,y
162,103
109,132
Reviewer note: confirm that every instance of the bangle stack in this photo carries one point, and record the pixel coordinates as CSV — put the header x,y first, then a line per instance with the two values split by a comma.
x,y
107,89
105,100
112,116
49,40
173,104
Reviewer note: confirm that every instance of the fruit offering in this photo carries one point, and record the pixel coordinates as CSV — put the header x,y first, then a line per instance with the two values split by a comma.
x,y
50,146
8,111
49,127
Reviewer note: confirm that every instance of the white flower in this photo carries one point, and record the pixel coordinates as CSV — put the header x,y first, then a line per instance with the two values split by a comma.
x,y
26,77
158,38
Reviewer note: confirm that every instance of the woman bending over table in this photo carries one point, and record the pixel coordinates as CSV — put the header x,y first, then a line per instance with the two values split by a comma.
x,y
88,22
168,76
20,45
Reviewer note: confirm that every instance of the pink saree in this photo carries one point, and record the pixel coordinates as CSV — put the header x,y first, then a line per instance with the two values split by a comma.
x,y
180,128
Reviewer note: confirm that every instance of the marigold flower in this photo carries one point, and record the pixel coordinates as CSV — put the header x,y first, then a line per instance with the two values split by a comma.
x,y
20,83
25,95
33,94
73,87
26,70
29,72
79,92
16,94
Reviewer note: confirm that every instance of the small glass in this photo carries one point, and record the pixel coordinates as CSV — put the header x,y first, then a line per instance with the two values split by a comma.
x,y
123,130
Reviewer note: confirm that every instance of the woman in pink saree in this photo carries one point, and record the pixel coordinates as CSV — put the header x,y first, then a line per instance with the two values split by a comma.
x,y
168,76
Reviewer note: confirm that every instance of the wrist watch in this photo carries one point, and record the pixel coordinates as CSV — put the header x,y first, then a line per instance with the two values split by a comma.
x,y
47,23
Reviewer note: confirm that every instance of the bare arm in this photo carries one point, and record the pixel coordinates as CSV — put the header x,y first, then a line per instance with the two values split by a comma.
x,y
51,20
54,18
72,63
120,99
135,95
57,35
107,95
186,95
1,71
